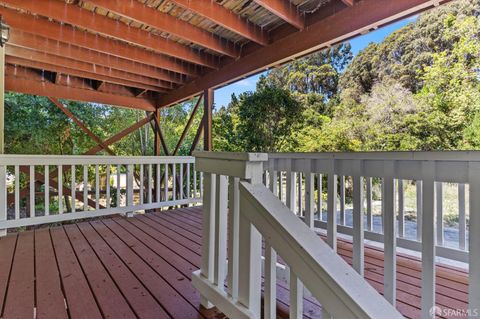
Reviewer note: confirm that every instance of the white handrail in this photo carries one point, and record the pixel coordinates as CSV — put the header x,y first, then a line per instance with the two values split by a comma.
x,y
83,183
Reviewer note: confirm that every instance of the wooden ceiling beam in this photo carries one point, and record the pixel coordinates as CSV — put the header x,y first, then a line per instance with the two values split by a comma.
x,y
22,80
74,15
64,72
340,26
164,22
33,55
34,42
285,10
67,34
226,18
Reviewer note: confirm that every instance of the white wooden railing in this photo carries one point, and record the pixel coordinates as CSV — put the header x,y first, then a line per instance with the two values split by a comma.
x,y
45,189
238,212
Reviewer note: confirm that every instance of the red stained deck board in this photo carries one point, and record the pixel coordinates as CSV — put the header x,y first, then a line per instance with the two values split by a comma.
x,y
20,300
108,296
7,250
50,299
139,298
80,300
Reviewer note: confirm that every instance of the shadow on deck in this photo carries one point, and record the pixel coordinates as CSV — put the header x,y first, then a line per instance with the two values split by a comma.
x,y
141,267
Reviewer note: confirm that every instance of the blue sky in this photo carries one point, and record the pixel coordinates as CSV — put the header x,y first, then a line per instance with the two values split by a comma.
x,y
223,95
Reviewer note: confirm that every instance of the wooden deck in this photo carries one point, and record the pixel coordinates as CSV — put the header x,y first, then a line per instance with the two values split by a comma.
x,y
141,267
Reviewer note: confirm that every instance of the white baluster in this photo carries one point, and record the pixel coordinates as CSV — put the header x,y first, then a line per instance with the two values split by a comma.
x,y
319,198
369,204
60,189
47,190
194,182
439,209
174,182
107,191
17,192
3,197
165,183
462,218
401,208
296,297
118,186
358,232
419,210
309,199
332,209
85,187
270,286
97,188
158,188
130,185
149,184
342,200
428,238
188,181
300,194
73,187
141,184
181,182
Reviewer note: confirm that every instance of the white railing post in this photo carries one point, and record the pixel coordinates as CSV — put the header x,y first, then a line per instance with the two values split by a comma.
x,y
221,202
474,237
222,228
129,188
233,236
389,231
428,238
208,232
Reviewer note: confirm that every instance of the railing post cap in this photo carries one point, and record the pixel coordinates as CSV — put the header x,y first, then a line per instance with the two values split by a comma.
x,y
235,156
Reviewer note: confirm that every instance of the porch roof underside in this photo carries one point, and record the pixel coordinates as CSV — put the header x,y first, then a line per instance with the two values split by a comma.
x,y
146,54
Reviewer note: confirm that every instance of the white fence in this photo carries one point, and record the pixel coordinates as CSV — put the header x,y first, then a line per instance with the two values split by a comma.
x,y
238,213
46,189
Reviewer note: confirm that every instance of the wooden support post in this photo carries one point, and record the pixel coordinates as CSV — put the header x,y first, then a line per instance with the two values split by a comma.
x,y
156,116
207,119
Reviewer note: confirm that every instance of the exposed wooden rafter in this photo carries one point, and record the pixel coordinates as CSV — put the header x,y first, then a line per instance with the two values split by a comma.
x,y
63,72
38,43
96,71
115,48
77,16
18,79
164,22
340,26
226,18
285,11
